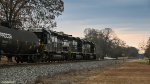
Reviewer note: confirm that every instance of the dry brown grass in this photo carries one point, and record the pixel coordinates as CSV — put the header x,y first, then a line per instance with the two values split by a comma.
x,y
137,72
129,73
5,61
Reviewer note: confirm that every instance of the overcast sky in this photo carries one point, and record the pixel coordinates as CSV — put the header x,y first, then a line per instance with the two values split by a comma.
x,y
130,19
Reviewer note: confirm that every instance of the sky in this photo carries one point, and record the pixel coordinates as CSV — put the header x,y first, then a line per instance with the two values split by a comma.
x,y
128,18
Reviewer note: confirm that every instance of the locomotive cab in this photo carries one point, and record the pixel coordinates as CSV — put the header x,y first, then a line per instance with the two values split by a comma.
x,y
89,50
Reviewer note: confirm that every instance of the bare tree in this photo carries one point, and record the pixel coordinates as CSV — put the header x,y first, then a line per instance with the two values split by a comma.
x,y
108,34
104,40
117,48
96,37
30,13
91,34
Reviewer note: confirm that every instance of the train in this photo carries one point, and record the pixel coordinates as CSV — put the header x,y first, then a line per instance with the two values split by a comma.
x,y
42,45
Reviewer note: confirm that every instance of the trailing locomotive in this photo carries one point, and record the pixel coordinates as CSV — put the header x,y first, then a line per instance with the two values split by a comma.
x,y
40,45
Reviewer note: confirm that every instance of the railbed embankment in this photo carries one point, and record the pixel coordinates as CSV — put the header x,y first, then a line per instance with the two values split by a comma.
x,y
30,73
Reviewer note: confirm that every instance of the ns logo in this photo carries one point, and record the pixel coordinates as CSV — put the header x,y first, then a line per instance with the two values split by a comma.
x,y
5,35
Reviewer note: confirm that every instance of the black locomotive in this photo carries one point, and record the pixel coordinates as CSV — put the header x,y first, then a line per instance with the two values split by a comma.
x,y
41,45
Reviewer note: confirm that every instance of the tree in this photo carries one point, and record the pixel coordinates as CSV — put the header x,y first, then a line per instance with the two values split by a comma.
x,y
132,52
117,48
30,13
105,42
147,50
108,34
94,36
91,34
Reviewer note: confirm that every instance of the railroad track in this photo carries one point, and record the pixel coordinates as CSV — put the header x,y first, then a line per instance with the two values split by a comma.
x,y
9,65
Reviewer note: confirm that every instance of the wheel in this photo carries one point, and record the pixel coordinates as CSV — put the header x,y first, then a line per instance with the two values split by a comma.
x,y
74,56
44,57
34,59
21,61
17,59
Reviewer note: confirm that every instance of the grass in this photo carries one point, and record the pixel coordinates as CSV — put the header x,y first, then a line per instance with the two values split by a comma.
x,y
136,72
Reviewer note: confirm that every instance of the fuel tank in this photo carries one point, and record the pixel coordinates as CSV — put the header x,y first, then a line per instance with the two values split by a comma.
x,y
17,41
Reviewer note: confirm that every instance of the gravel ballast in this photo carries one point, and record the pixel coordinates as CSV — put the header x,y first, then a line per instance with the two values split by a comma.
x,y
22,75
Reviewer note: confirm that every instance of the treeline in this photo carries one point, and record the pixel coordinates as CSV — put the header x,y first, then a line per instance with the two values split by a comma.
x,y
108,44
147,50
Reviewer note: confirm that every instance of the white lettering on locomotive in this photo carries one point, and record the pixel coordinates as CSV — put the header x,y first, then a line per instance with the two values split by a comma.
x,y
5,35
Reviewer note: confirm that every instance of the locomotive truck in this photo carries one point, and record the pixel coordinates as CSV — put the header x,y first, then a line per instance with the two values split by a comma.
x,y
41,45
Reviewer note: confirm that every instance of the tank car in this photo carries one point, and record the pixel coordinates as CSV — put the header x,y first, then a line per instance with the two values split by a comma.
x,y
18,43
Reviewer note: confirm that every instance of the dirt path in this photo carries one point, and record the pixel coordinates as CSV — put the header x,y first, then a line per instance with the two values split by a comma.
x,y
137,72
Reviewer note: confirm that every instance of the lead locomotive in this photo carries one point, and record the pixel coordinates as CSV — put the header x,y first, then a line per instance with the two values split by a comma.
x,y
40,45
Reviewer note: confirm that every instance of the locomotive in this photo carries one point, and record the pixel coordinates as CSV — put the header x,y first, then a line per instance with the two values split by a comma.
x,y
41,45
